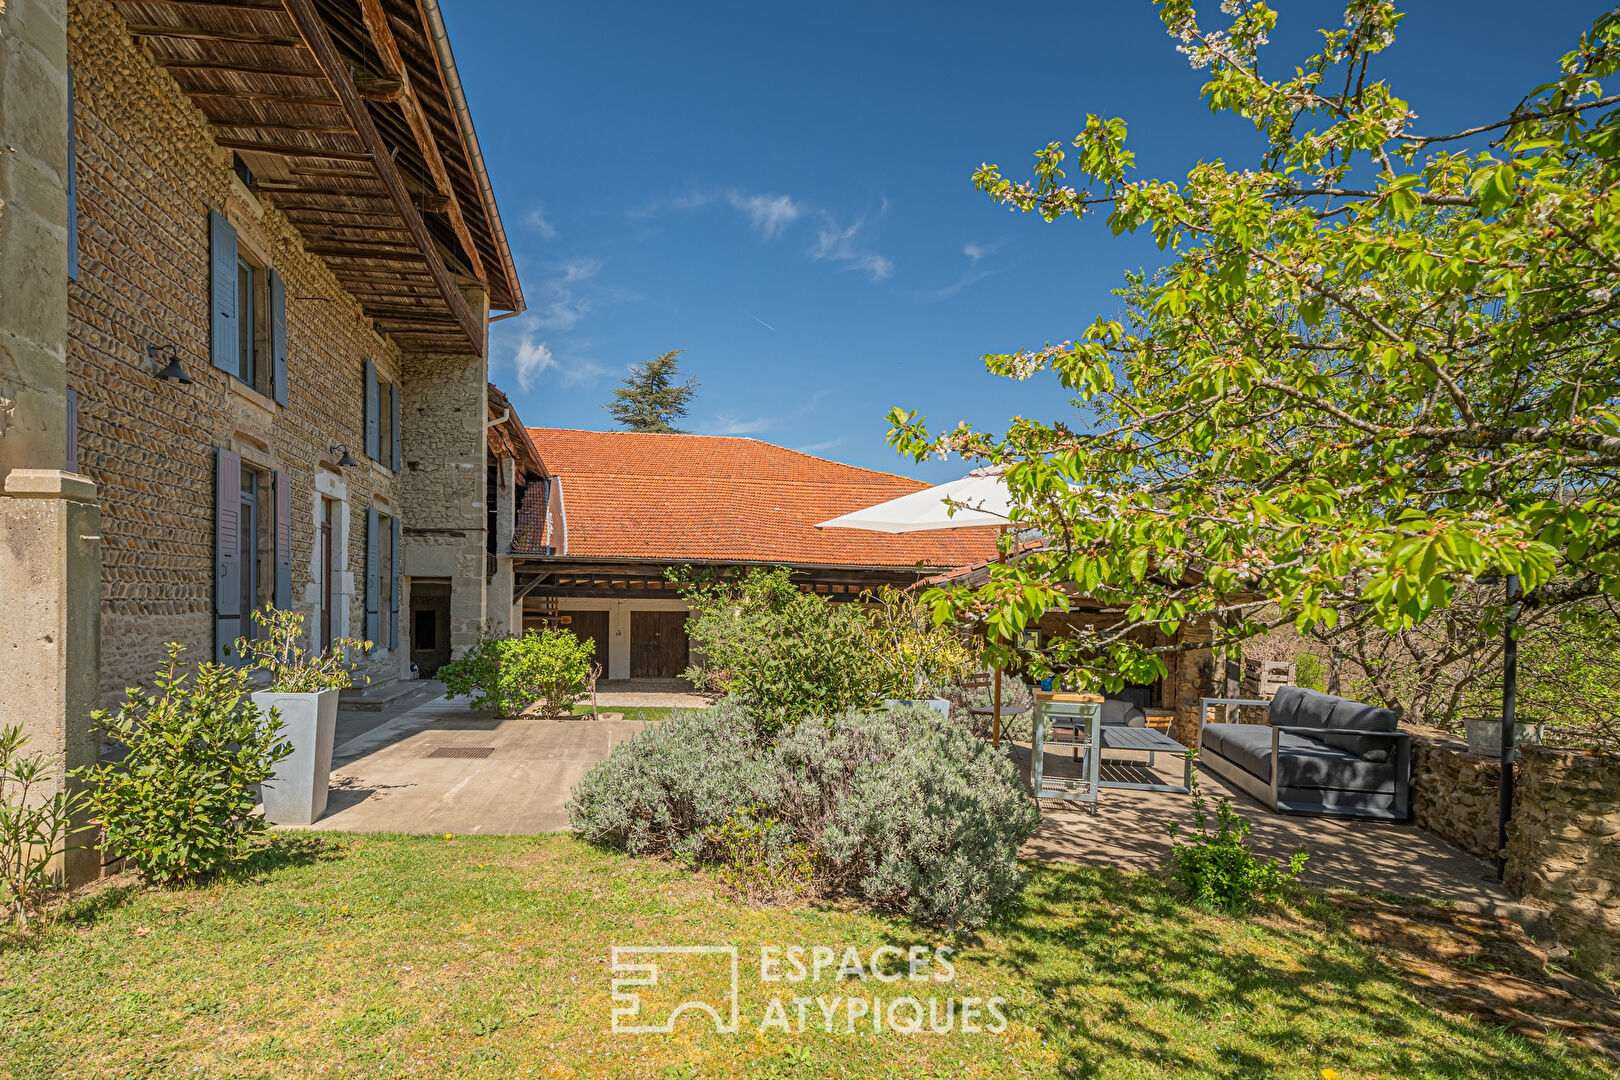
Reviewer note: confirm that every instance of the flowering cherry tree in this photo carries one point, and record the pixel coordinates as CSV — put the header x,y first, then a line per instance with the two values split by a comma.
x,y
1378,363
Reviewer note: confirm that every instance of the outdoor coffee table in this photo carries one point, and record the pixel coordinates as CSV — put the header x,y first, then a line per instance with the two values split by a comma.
x,y
1153,743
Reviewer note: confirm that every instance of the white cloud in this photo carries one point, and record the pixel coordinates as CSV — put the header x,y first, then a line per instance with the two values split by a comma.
x,y
974,251
559,305
531,360
836,243
955,287
770,214
537,221
732,425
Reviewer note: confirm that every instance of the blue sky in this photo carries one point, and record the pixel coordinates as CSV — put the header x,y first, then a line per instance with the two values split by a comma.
x,y
784,192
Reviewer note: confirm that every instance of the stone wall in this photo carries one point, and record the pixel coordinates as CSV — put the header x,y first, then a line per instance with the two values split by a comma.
x,y
1564,848
1454,793
443,408
148,173
1563,851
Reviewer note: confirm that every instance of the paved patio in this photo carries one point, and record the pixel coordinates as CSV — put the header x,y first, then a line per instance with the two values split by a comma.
x,y
396,776
1128,831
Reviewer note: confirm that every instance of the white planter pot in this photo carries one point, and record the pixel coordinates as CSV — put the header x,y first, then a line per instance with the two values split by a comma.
x,y
1485,736
296,795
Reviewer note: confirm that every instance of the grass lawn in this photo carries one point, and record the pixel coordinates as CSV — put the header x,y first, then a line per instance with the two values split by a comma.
x,y
489,957
648,713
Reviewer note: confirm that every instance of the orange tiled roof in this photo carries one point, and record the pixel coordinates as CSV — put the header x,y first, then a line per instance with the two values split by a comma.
x,y
709,498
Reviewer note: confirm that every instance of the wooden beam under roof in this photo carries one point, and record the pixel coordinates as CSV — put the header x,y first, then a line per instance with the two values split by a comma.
x,y
291,150
260,95
239,67
250,5
198,33
382,36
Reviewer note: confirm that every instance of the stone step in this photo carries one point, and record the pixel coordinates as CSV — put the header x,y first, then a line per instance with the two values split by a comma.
x,y
385,695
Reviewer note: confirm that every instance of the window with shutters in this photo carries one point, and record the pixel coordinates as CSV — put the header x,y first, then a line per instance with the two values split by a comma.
x,y
253,544
248,321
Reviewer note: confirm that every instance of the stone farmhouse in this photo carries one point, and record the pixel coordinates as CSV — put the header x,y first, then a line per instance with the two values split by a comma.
x,y
251,255
618,509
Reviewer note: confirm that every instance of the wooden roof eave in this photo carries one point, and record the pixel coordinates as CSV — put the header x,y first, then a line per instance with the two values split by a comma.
x,y
356,172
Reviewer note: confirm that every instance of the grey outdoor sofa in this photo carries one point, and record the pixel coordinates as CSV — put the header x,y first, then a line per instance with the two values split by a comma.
x,y
1317,754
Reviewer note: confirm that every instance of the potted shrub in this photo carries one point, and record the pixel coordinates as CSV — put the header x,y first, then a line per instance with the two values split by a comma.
x,y
303,692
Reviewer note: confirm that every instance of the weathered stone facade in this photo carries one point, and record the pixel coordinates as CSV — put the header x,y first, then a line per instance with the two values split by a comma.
x,y
1454,793
443,408
148,173
1563,849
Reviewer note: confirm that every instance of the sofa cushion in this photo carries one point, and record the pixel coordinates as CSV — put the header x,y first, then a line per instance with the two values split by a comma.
x,y
1122,714
1306,763
1315,710
1318,766
1209,738
1285,705
1355,716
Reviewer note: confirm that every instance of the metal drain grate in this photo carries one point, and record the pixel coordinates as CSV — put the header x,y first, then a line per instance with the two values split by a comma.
x,y
463,751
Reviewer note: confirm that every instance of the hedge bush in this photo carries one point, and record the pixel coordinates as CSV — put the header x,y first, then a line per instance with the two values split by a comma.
x,y
901,808
507,675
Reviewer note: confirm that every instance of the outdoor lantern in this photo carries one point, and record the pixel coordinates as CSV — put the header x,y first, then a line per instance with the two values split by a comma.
x,y
171,370
344,461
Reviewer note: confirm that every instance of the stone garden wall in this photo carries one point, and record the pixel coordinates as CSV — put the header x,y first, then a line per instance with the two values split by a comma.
x,y
1564,847
1563,850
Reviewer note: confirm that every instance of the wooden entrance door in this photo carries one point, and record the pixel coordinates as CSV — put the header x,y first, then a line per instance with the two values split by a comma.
x,y
658,644
591,626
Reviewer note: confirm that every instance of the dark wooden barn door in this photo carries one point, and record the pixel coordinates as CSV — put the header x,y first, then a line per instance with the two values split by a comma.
x,y
658,644
591,626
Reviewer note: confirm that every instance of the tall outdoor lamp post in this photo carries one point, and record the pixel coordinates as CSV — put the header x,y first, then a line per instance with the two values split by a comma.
x,y
1510,692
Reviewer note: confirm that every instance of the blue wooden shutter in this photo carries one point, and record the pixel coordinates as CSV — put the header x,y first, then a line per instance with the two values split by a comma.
x,y
278,339
228,611
283,541
372,582
393,414
372,406
222,341
72,187
393,591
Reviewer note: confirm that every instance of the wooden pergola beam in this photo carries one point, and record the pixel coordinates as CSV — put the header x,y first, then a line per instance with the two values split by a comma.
x,y
382,35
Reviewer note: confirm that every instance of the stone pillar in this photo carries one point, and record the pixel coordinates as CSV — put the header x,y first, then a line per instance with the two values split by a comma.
x,y
444,405
50,560
500,586
1192,676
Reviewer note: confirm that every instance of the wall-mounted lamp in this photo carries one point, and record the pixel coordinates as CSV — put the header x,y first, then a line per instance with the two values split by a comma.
x,y
344,461
171,370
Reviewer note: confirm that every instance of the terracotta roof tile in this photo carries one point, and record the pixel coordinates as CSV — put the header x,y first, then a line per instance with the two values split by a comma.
x,y
708,498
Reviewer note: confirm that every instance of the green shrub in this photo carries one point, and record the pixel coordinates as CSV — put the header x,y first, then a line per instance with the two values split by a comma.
x,y
278,648
757,856
178,805
34,830
507,675
782,652
903,808
915,656
665,788
1310,671
1216,867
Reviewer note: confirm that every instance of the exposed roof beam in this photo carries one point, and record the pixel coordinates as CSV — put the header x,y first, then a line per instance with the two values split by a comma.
x,y
264,125
258,95
288,150
309,24
242,67
382,35
362,249
251,5
197,33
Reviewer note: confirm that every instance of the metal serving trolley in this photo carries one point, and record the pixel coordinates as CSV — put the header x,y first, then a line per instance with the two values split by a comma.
x,y
1072,721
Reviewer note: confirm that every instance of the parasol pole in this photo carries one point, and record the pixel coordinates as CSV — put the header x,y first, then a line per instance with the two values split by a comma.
x,y
995,718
